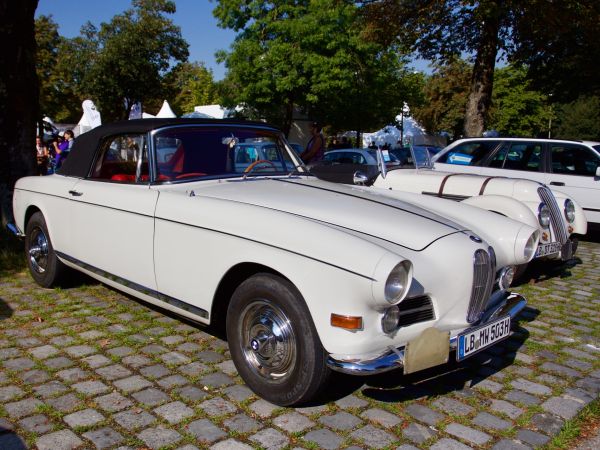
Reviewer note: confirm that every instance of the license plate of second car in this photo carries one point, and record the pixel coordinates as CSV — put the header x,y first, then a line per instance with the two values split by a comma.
x,y
548,249
482,337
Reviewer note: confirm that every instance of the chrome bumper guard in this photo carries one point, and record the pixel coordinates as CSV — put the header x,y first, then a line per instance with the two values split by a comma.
x,y
12,228
508,303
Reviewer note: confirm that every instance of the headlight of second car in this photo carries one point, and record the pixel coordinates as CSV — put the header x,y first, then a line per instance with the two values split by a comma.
x,y
570,210
544,215
398,282
531,245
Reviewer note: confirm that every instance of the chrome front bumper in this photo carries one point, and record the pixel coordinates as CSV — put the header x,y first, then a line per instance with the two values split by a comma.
x,y
508,303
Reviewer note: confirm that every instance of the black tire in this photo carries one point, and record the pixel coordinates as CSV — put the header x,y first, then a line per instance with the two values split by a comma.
x,y
45,268
273,341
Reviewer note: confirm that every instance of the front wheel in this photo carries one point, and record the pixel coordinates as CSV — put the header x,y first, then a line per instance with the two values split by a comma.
x,y
44,266
273,341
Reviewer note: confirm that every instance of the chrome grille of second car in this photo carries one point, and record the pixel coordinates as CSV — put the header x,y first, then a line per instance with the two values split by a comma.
x,y
556,217
483,282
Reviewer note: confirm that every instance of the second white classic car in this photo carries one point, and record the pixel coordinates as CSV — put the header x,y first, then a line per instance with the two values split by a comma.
x,y
306,276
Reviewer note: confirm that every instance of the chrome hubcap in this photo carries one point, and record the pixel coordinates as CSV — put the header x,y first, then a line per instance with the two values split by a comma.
x,y
267,340
38,250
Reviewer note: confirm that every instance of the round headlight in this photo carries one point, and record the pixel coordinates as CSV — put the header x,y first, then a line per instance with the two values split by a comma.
x,y
570,210
398,282
506,276
544,215
390,319
531,245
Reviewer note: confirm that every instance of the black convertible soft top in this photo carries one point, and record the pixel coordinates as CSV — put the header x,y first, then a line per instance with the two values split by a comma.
x,y
84,147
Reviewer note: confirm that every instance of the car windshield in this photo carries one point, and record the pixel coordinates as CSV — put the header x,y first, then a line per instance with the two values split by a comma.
x,y
387,156
221,151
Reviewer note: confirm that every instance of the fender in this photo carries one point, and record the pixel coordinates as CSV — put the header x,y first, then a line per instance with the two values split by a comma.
x,y
580,225
507,206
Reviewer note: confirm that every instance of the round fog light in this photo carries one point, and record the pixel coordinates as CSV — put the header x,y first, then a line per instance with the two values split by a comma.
x,y
505,279
391,317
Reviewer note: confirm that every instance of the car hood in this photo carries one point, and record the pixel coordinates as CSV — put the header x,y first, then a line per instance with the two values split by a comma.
x,y
346,207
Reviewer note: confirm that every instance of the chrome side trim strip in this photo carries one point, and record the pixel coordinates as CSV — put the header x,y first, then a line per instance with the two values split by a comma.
x,y
508,303
12,228
137,287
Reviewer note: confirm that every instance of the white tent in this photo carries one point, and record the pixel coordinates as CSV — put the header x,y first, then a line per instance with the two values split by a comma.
x,y
214,111
166,112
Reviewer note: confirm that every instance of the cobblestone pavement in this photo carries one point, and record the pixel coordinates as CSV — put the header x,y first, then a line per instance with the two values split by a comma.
x,y
88,367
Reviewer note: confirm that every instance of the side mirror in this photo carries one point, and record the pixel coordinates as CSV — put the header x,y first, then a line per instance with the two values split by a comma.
x,y
360,178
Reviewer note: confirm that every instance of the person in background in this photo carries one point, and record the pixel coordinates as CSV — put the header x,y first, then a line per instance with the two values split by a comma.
x,y
42,156
61,149
315,148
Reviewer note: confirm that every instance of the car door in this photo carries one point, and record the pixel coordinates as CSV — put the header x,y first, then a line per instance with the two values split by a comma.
x,y
516,159
113,214
573,171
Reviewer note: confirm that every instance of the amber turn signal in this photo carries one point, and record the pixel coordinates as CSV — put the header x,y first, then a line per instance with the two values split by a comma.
x,y
346,322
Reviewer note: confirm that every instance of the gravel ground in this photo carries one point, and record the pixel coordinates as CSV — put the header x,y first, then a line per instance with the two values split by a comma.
x,y
88,367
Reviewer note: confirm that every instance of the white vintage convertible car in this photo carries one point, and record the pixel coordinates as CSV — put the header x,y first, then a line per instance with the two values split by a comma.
x,y
559,219
306,276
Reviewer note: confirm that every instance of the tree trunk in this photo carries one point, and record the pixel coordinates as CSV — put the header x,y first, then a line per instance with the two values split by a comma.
x,y
289,117
482,81
19,98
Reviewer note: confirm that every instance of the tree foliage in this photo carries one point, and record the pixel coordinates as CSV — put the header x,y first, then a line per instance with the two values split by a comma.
x,y
579,119
309,54
189,85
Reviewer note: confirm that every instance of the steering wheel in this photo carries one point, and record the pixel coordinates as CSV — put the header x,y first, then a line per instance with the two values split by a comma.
x,y
251,167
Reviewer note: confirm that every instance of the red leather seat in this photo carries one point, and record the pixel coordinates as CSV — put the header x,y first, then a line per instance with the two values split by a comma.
x,y
122,177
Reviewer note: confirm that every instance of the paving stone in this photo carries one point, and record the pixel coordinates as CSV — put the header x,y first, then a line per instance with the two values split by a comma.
x,y
155,371
522,397
174,412
381,417
154,349
136,361
73,375
418,433
241,423
209,356
205,431
454,407
18,364
578,364
50,389
175,358
263,408
578,395
590,384
7,353
532,438
51,331
172,381
190,393
5,426
486,385
547,423
96,361
132,384
43,352
293,422
560,370
78,351
151,397
373,437
505,407
9,393
563,407
270,439
113,372
156,438
84,418
113,402
193,369
39,424
340,421
91,387
530,387
104,437
324,438
134,418
65,403
485,420
62,341
22,408
238,393
120,352
423,414
188,347
507,444
216,379
60,440
217,407
230,444
351,401
227,367
468,434
310,410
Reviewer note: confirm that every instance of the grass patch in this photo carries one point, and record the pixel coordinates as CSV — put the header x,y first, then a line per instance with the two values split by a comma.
x,y
581,427
12,254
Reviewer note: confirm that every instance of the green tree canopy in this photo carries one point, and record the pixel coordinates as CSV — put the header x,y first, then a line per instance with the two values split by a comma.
x,y
579,119
189,85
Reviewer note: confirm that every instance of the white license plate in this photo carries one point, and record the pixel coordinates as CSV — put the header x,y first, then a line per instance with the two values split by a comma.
x,y
548,249
483,337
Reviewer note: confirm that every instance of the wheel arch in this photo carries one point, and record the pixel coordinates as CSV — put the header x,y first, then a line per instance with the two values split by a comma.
x,y
30,211
229,283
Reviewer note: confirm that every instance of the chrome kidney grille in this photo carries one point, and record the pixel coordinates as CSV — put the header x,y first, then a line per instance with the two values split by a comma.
x,y
556,217
483,282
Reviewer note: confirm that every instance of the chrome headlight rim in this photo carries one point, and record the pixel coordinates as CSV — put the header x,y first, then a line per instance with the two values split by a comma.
x,y
544,215
531,245
506,276
569,208
398,282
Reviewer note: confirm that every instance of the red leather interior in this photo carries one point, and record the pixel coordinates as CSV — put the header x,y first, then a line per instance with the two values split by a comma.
x,y
123,177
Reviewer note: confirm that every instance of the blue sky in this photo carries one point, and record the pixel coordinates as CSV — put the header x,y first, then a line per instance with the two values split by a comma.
x,y
194,17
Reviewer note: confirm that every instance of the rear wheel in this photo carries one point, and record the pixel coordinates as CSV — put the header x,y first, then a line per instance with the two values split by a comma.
x,y
273,341
44,266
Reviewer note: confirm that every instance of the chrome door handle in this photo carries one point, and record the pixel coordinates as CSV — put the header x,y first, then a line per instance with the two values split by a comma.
x,y
557,183
75,193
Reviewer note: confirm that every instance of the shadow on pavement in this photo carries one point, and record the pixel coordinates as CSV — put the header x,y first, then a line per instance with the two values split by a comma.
x,y
5,310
